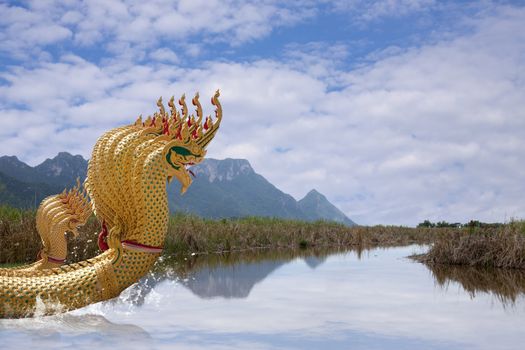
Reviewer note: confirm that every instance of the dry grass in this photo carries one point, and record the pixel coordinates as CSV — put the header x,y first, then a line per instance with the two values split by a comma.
x,y
489,247
19,241
502,247
188,233
17,244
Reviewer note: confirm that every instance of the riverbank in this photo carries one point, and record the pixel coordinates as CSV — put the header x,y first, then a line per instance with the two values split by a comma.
x,y
498,246
188,234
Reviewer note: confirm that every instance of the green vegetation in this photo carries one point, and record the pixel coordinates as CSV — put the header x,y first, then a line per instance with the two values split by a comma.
x,y
473,245
189,234
471,223
10,214
20,242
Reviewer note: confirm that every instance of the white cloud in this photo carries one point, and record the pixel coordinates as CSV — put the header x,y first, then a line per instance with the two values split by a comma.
x,y
23,32
366,11
429,132
125,23
164,55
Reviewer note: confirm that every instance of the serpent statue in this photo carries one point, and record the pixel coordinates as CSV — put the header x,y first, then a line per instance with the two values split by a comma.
x,y
126,190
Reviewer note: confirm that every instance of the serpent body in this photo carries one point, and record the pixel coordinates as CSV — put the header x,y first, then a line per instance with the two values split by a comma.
x,y
126,185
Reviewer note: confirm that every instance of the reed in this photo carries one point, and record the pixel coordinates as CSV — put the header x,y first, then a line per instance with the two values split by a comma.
x,y
187,233
501,247
19,241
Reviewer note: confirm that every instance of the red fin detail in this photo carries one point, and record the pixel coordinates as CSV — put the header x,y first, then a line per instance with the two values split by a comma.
x,y
102,237
166,127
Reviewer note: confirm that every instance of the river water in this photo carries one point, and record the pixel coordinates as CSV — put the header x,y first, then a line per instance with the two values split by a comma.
x,y
376,299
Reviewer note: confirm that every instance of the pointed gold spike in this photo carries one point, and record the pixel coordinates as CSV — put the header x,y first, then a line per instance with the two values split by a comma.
x,y
172,107
212,127
196,103
182,102
217,104
161,107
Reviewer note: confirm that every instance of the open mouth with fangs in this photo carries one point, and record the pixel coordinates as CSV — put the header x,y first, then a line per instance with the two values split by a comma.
x,y
187,166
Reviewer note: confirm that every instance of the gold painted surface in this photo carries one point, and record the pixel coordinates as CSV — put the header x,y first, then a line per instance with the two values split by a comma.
x,y
126,189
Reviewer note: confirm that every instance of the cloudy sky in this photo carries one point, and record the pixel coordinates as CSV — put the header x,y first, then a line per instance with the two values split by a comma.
x,y
396,110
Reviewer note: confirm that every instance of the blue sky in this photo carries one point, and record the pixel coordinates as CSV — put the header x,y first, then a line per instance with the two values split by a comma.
x,y
396,110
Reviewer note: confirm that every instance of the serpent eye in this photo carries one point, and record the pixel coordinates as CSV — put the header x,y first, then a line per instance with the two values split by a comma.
x,y
178,155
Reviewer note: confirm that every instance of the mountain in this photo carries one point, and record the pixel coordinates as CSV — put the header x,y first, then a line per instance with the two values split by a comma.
x,y
22,194
316,207
231,188
228,188
11,166
61,171
23,186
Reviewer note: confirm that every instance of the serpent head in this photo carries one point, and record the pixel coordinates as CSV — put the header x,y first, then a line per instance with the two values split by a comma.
x,y
188,137
179,158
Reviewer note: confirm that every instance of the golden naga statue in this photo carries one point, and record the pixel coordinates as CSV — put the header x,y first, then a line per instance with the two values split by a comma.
x,y
126,190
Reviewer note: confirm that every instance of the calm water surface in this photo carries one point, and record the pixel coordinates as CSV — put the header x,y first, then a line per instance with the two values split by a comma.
x,y
380,300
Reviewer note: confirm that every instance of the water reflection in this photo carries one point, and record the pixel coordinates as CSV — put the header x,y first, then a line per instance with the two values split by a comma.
x,y
228,275
69,329
314,261
230,281
234,274
288,300
507,285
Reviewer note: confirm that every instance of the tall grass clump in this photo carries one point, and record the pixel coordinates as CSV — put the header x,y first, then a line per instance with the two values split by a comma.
x,y
502,246
18,239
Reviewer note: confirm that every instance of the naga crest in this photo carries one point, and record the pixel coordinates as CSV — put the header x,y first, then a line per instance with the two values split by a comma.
x,y
188,135
126,190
